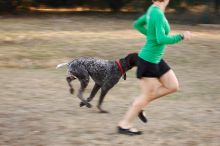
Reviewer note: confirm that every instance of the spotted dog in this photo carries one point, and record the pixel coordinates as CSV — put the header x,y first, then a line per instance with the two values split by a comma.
x,y
105,74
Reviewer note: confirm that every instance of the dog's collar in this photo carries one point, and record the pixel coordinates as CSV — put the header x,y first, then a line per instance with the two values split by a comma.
x,y
121,69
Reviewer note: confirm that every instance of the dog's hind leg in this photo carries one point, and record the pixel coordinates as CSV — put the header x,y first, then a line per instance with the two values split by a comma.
x,y
69,80
84,83
92,95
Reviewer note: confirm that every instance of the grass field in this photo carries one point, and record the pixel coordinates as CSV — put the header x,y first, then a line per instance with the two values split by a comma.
x,y
36,108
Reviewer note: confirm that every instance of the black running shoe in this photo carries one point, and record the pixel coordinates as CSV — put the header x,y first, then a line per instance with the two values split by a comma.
x,y
142,116
128,131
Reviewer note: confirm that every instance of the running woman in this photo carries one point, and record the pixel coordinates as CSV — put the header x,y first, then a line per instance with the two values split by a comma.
x,y
156,78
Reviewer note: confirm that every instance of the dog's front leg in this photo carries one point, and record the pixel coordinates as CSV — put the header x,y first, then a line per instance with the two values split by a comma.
x,y
92,95
101,98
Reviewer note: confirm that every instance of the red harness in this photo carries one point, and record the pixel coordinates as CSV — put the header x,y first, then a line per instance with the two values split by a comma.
x,y
121,69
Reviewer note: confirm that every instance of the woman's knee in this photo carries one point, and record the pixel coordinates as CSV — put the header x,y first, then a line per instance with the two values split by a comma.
x,y
170,81
174,88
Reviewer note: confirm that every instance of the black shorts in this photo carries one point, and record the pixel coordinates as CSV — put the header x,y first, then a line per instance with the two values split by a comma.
x,y
151,70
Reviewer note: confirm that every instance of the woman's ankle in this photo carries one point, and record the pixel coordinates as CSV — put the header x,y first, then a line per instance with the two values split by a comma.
x,y
125,125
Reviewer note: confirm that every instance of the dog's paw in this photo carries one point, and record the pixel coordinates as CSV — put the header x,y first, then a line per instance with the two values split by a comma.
x,y
103,111
88,105
81,104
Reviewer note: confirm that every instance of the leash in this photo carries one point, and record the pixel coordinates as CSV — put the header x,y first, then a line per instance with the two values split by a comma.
x,y
121,69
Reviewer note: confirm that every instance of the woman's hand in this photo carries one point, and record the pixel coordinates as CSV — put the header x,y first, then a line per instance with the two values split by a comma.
x,y
187,35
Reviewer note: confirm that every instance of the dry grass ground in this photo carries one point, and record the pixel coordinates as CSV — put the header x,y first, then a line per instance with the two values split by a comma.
x,y
37,110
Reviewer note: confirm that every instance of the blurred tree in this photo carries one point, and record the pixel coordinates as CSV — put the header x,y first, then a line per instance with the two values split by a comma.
x,y
116,5
8,5
217,3
24,4
180,5
11,6
174,3
69,3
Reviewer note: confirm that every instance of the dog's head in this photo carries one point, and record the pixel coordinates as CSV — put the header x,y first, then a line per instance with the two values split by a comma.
x,y
131,60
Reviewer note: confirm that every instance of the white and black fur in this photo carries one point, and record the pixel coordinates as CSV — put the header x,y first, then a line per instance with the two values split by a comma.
x,y
105,74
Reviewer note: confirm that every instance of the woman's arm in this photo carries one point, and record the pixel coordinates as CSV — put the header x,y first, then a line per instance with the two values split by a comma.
x,y
161,37
140,25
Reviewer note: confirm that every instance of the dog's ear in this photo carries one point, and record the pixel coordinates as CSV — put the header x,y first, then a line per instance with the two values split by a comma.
x,y
132,59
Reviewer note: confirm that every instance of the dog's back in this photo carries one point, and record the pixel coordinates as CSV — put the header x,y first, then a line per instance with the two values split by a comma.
x,y
99,69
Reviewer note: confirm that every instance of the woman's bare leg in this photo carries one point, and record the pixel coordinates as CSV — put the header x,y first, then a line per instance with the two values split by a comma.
x,y
169,84
151,89
148,88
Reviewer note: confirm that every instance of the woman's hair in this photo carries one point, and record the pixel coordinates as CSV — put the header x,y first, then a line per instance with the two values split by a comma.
x,y
157,0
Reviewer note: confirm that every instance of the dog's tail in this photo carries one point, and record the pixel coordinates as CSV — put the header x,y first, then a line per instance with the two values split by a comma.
x,y
60,65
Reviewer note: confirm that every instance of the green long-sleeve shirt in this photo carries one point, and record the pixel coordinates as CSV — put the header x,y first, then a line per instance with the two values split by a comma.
x,y
156,28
